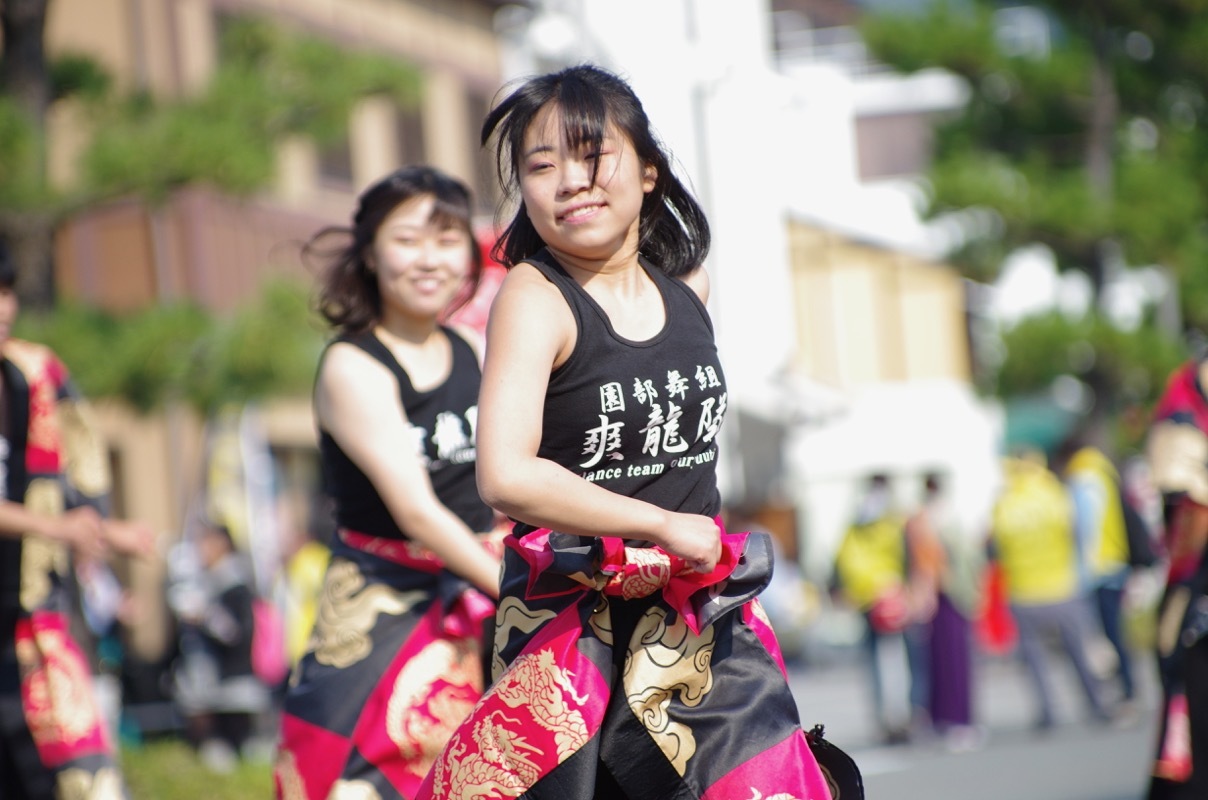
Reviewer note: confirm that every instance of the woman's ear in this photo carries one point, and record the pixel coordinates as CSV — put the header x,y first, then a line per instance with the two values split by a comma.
x,y
650,175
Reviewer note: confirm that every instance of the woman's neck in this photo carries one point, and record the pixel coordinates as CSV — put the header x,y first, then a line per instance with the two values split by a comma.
x,y
407,331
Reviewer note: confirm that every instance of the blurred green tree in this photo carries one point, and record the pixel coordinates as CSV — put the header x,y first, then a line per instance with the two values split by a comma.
x,y
1088,138
180,352
270,84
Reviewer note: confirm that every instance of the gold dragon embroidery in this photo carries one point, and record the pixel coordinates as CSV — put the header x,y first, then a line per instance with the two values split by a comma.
x,y
288,777
502,767
348,611
61,705
757,795
652,571
418,721
535,681
353,790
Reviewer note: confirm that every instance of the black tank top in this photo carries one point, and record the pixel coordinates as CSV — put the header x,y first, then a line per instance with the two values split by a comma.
x,y
638,418
443,421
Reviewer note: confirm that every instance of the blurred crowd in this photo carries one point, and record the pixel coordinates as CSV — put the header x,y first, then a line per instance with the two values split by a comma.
x,y
1049,578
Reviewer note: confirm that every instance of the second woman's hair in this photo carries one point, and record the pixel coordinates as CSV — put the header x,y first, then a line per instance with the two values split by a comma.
x,y
349,298
673,232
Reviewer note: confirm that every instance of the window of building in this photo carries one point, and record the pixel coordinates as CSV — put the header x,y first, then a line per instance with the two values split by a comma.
x,y
411,148
484,183
335,163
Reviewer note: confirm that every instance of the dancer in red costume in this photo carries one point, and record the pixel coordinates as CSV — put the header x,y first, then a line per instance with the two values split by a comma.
x,y
1178,457
54,487
632,659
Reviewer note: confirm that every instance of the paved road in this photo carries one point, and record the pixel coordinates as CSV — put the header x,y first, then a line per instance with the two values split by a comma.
x,y
1074,761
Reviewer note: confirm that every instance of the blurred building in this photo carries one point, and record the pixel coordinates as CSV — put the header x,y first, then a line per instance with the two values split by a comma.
x,y
218,250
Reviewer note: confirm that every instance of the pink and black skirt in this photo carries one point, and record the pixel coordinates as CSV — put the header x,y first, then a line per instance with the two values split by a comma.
x,y
393,667
621,672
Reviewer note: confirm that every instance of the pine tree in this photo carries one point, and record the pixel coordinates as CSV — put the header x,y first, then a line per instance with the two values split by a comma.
x,y
269,85
1087,137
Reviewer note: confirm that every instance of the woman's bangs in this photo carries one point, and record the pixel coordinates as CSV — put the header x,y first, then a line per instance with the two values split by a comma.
x,y
584,117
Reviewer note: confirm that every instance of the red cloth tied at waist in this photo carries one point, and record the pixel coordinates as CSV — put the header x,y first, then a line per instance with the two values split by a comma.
x,y
606,564
465,607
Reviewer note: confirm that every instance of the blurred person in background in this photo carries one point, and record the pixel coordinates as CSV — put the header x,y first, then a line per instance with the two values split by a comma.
x,y
306,562
1177,450
1032,541
216,689
395,658
1099,529
873,574
946,576
54,485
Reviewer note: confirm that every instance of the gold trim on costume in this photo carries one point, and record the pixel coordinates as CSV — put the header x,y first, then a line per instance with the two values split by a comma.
x,y
85,457
1178,457
40,557
353,790
664,661
289,779
514,615
82,784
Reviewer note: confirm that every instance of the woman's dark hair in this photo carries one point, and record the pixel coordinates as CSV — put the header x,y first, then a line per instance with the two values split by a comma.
x,y
348,296
673,232
8,269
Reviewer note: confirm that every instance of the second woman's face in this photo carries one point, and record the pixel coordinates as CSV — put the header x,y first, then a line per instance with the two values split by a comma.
x,y
420,265
574,215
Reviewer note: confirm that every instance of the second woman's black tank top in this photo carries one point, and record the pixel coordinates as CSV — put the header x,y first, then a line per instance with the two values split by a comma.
x,y
443,421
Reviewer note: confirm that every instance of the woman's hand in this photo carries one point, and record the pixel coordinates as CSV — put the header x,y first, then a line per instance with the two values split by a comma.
x,y
129,537
80,528
694,538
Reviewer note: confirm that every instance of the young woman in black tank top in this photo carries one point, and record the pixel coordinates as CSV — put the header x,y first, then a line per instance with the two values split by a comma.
x,y
631,658
394,661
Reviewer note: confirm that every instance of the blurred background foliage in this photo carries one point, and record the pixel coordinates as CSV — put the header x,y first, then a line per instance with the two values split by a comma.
x,y
1086,136
1046,346
270,84
178,352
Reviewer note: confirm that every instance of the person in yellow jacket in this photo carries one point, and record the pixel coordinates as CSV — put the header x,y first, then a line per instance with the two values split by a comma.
x,y
1094,485
872,571
304,573
1032,539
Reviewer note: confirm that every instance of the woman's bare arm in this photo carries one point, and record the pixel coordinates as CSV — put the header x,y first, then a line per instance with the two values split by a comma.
x,y
356,402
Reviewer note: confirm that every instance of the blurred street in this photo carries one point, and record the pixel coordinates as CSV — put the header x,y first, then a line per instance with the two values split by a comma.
x,y
1073,761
